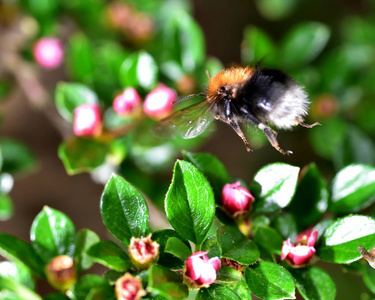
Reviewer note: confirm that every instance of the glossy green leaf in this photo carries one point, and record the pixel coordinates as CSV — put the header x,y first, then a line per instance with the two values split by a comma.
x,y
341,239
18,289
269,239
285,224
167,259
228,275
211,245
56,296
277,183
235,246
177,248
269,280
275,9
212,168
166,283
16,157
89,286
53,233
6,207
139,70
110,255
353,188
79,57
359,30
303,43
314,284
43,9
257,47
81,155
18,272
70,95
14,249
85,239
124,210
217,292
189,203
311,199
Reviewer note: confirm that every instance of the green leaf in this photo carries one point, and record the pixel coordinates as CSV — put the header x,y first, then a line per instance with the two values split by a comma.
x,y
353,188
277,182
189,203
81,155
52,234
285,224
217,292
18,289
235,246
177,248
166,283
68,96
211,245
314,284
18,272
14,249
16,157
303,43
311,199
269,239
79,58
257,47
124,210
89,286
166,259
110,255
85,239
139,70
43,9
212,168
275,9
56,296
228,275
6,207
270,281
341,239
368,274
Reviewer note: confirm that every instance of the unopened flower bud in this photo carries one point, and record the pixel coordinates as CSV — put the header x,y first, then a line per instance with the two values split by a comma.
x,y
300,253
200,271
87,120
158,103
127,102
48,53
143,251
61,273
129,288
236,199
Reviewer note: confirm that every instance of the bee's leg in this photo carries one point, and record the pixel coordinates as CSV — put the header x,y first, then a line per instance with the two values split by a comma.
x,y
300,122
271,136
232,121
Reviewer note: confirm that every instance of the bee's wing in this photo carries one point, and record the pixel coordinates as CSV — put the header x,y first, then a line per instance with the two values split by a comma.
x,y
186,123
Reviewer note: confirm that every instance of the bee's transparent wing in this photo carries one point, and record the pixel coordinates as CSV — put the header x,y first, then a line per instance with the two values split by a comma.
x,y
186,123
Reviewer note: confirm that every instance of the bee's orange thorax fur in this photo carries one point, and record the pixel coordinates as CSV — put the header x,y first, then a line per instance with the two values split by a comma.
x,y
225,77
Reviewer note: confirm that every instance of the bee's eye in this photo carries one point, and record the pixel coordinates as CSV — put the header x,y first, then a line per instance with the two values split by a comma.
x,y
222,90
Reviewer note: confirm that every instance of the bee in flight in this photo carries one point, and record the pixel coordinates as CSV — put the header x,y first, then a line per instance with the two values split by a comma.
x,y
236,95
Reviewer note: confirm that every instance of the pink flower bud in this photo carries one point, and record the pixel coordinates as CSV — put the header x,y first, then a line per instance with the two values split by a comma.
x,y
143,251
125,103
61,273
200,271
48,53
300,253
158,103
87,120
236,200
129,288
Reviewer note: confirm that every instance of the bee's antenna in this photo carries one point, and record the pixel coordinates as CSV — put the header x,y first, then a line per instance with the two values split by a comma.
x,y
188,97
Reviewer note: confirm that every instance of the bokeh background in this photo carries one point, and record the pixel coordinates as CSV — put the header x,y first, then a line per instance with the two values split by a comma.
x,y
340,78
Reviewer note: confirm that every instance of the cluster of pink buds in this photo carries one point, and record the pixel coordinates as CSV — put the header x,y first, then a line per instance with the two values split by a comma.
x,y
200,271
299,254
61,272
236,200
87,120
48,53
129,287
127,102
143,251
